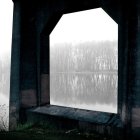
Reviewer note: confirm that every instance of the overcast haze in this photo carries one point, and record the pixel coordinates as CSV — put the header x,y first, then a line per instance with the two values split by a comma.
x,y
6,16
84,61
89,25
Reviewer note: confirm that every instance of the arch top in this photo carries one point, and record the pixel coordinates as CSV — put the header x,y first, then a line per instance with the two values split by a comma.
x,y
93,24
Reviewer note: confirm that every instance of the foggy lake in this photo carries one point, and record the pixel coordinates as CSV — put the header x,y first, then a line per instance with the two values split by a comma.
x,y
6,14
84,90
84,76
84,61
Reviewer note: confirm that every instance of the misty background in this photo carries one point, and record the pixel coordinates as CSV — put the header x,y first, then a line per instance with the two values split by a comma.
x,y
6,16
83,69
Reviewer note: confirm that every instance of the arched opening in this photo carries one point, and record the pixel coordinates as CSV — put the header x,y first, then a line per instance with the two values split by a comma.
x,y
84,61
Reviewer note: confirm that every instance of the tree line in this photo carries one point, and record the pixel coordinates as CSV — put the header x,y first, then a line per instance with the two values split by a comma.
x,y
84,57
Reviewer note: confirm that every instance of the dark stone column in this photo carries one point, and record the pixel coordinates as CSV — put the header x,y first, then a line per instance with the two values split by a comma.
x,y
123,72
135,70
45,92
15,68
28,60
130,70
42,19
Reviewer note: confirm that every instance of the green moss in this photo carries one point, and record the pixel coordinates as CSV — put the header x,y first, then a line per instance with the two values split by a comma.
x,y
25,126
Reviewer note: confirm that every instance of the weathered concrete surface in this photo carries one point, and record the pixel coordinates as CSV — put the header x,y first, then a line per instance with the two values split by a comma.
x,y
79,114
136,117
15,69
28,98
86,121
45,93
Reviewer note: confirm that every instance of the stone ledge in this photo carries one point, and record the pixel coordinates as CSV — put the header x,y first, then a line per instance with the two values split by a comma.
x,y
79,114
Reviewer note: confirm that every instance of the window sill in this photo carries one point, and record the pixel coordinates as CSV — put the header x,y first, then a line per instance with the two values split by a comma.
x,y
96,117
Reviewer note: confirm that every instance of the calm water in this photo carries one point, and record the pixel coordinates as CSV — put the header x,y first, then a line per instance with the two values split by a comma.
x,y
92,91
84,75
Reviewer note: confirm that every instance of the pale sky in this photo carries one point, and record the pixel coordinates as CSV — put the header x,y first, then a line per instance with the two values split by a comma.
x,y
6,16
83,26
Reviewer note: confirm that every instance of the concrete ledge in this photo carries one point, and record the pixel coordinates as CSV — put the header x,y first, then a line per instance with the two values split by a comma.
x,y
65,118
79,114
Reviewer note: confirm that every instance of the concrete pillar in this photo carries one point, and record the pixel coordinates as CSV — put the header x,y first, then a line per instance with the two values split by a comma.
x,y
28,57
45,92
15,68
134,34
130,74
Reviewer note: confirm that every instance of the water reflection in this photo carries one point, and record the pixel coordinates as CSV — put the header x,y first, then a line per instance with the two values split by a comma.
x,y
85,90
84,75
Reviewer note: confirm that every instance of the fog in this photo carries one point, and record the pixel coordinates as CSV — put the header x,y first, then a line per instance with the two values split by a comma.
x,y
84,61
6,15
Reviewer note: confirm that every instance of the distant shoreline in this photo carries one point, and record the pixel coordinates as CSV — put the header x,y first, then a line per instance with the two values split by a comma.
x,y
101,72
